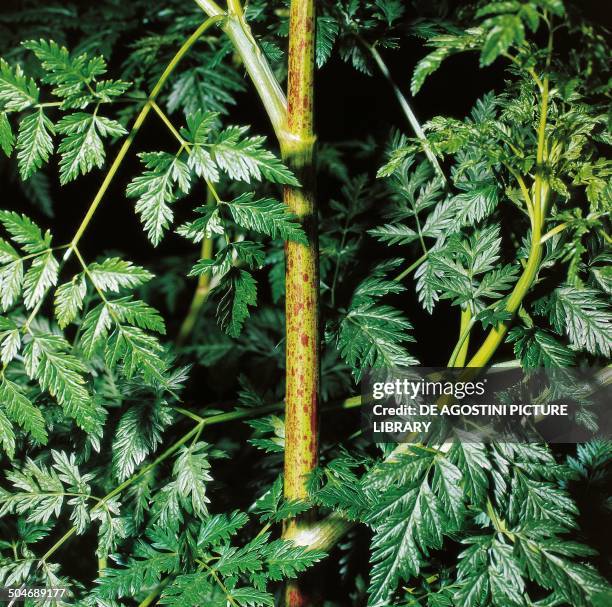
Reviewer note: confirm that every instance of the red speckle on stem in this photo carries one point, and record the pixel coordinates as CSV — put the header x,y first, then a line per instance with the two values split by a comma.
x,y
295,598
313,410
301,272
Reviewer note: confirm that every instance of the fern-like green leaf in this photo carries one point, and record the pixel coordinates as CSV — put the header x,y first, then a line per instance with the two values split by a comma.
x,y
7,139
69,300
21,411
155,189
17,91
71,75
114,274
191,470
327,32
137,435
238,292
373,336
82,148
585,317
266,216
24,232
42,274
34,143
61,374
245,158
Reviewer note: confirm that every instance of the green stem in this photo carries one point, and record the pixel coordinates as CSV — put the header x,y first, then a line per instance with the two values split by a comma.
x,y
238,31
419,230
529,70
202,290
553,232
459,355
408,112
169,124
148,600
228,595
496,335
522,287
411,267
525,193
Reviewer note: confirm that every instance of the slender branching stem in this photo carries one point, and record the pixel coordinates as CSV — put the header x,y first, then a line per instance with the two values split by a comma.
x,y
419,230
203,287
190,414
496,335
413,266
169,125
148,600
459,355
228,595
200,296
408,111
525,193
528,69
553,232
140,119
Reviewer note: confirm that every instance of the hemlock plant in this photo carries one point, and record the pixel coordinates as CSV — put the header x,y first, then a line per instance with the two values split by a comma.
x,y
111,437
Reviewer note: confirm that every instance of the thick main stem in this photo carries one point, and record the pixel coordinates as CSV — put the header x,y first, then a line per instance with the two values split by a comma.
x,y
302,272
541,192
